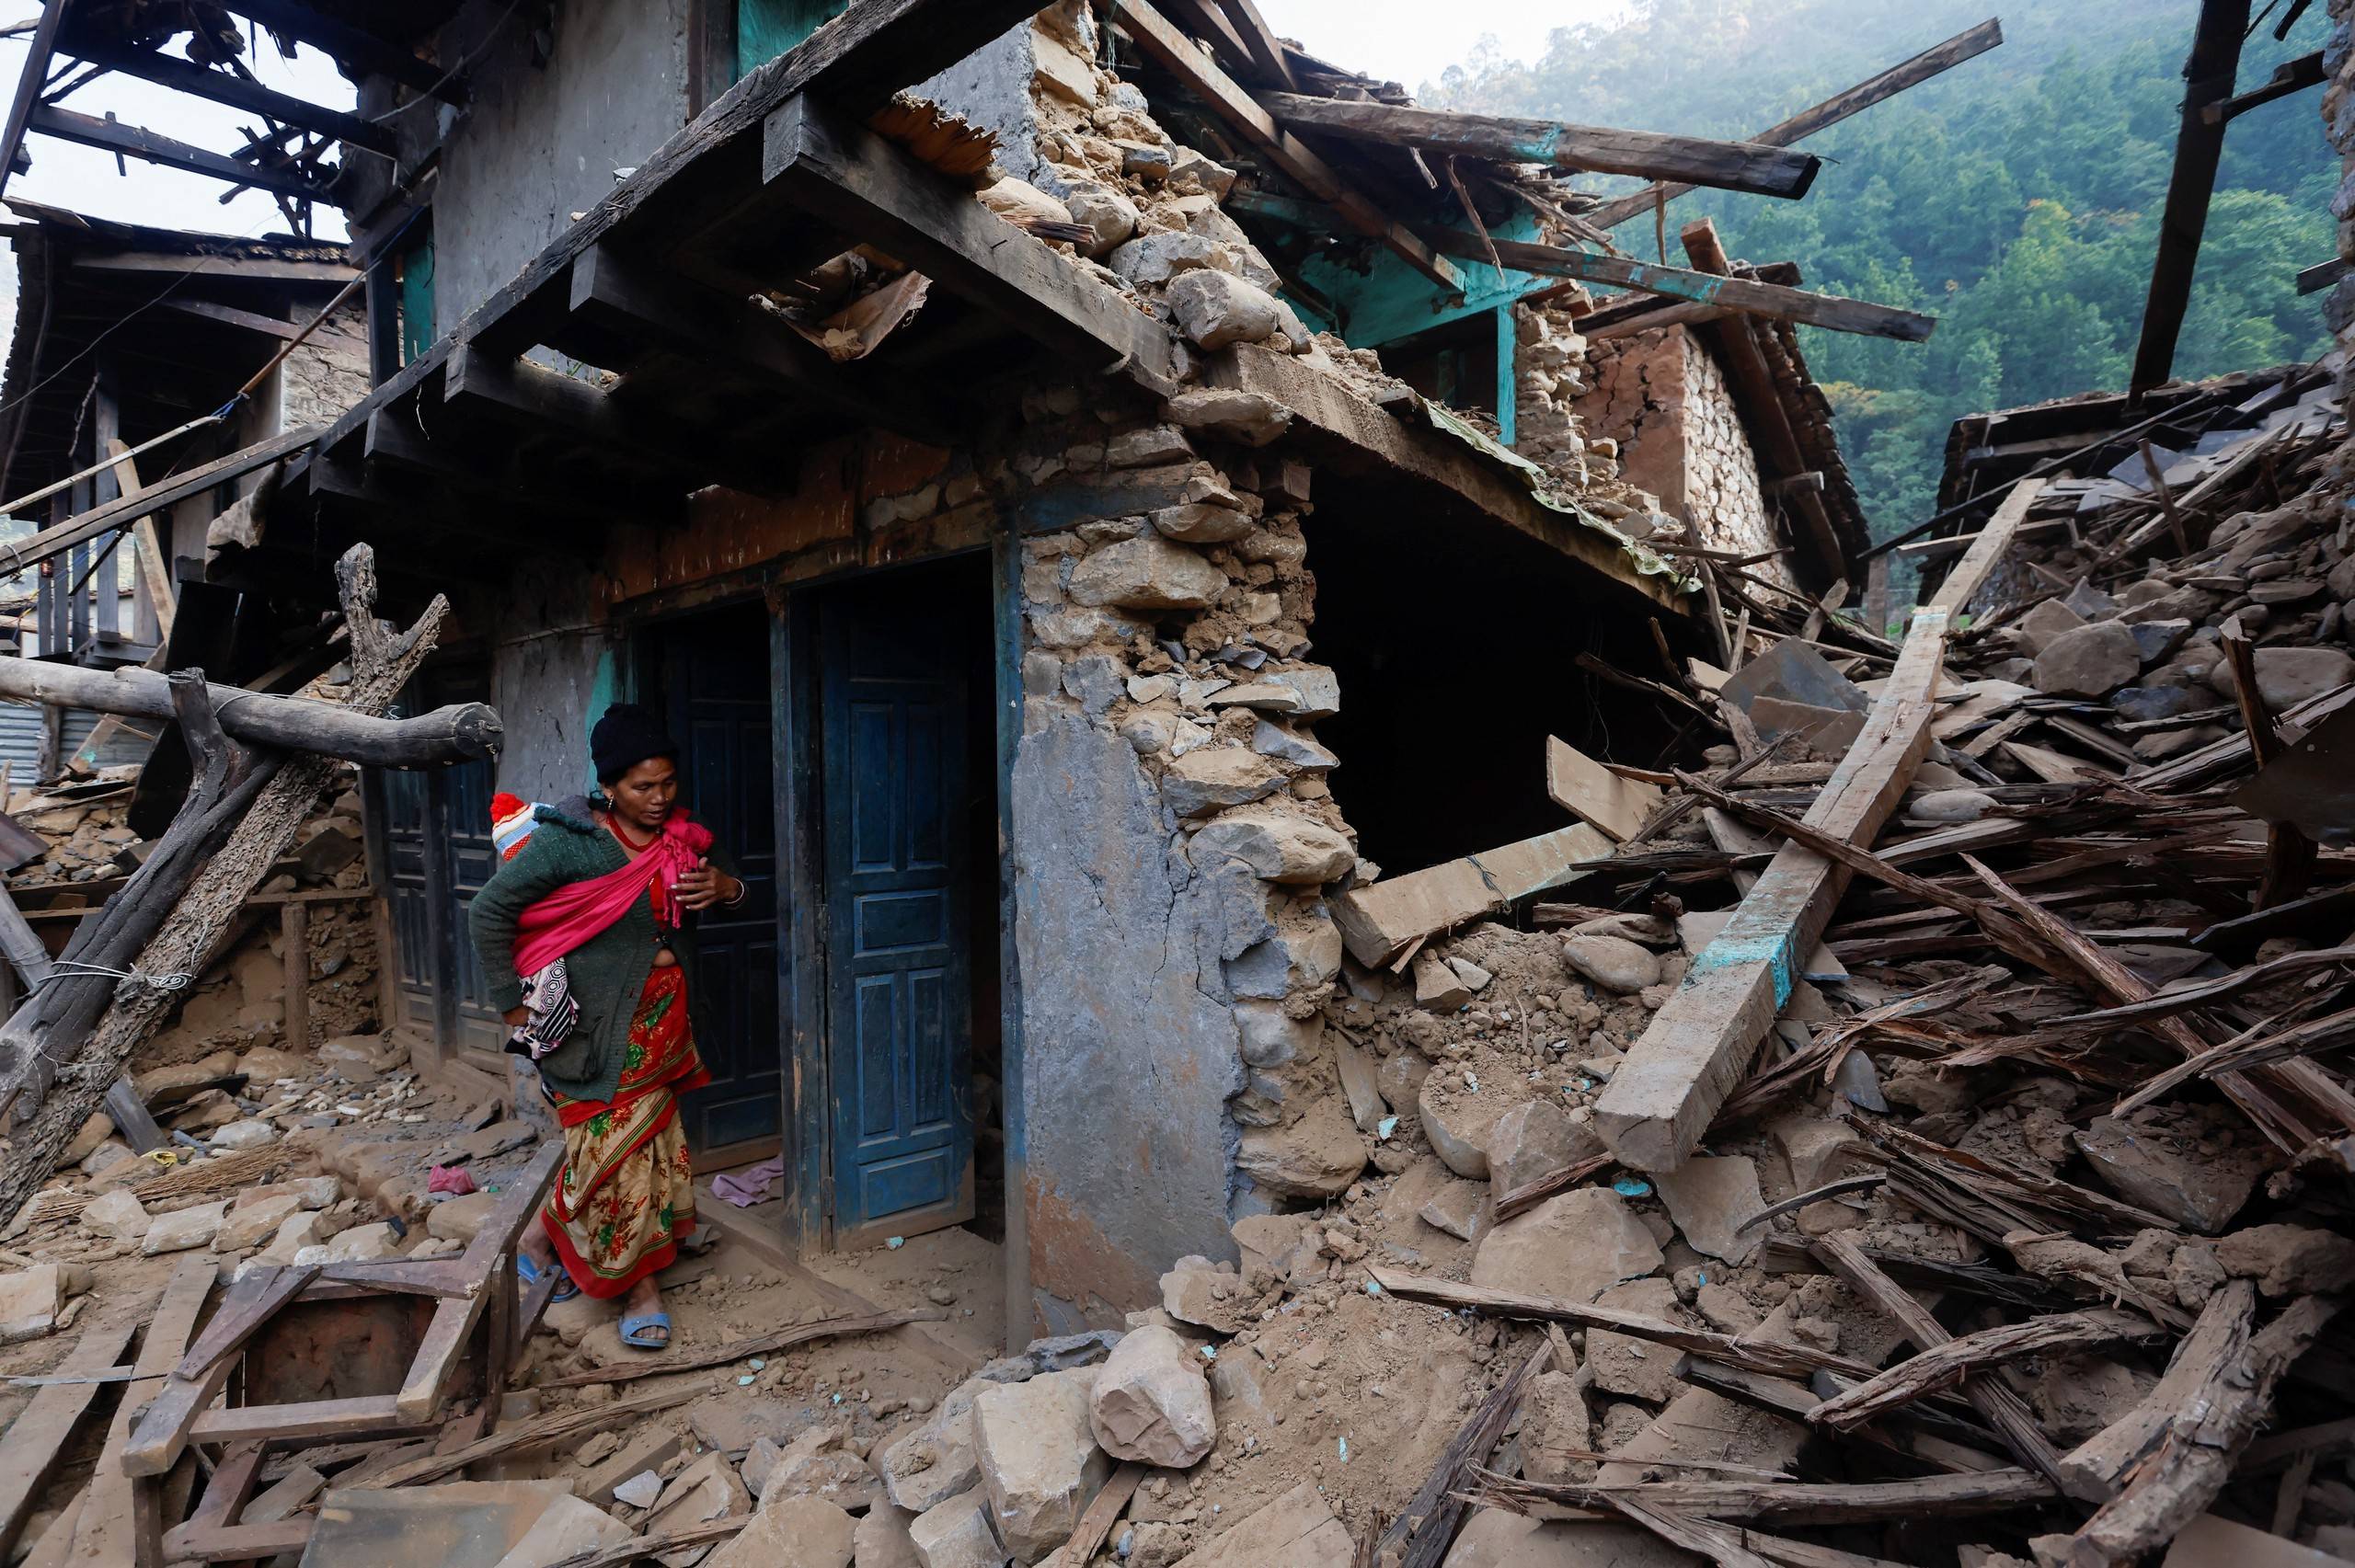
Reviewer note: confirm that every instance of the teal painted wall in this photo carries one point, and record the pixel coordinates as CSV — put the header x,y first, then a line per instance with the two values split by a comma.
x,y
766,28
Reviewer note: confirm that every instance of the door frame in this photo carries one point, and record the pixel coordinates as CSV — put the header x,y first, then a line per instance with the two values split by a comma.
x,y
807,1222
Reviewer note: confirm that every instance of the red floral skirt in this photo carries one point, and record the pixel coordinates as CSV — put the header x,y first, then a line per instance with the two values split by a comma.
x,y
626,1198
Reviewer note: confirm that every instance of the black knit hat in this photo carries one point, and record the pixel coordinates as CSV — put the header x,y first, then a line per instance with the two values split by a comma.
x,y
625,736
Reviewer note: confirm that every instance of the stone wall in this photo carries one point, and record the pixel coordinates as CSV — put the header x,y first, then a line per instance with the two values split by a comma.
x,y
1661,397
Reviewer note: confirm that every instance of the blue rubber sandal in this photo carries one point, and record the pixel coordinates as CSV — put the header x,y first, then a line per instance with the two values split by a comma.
x,y
530,1273
633,1327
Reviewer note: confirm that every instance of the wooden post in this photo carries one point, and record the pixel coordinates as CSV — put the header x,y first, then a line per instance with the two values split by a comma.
x,y
2199,145
295,936
1698,1045
106,568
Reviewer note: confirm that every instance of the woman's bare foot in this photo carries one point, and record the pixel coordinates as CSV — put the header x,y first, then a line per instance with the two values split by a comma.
x,y
646,1298
539,1249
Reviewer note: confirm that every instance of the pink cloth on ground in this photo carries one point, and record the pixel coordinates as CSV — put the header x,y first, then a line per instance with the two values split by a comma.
x,y
579,911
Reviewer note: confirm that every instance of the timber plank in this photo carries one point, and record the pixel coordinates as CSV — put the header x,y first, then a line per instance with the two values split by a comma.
x,y
1965,45
1593,794
1743,294
37,1438
106,1530
1700,1044
1750,167
60,537
1377,921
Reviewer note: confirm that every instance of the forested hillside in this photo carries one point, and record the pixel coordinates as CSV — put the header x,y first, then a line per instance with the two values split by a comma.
x,y
2016,196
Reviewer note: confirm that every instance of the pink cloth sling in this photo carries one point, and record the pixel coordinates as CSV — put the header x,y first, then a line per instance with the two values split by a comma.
x,y
579,911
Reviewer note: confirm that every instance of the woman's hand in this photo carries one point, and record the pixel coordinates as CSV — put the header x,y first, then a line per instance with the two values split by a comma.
x,y
516,1017
705,886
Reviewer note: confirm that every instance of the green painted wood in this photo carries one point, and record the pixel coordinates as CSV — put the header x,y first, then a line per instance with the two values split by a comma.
x,y
416,300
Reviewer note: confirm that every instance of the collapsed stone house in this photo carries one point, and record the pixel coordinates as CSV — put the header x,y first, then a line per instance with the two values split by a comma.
x,y
1079,528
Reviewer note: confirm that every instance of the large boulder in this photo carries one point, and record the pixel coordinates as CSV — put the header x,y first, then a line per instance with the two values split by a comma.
x,y
934,1462
1038,1458
799,1531
2092,660
2288,676
1533,1141
1296,850
1572,1247
1612,962
1147,572
1218,308
1150,1403
1318,1156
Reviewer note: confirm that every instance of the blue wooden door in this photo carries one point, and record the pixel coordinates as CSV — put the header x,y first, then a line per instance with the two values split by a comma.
x,y
899,994
718,702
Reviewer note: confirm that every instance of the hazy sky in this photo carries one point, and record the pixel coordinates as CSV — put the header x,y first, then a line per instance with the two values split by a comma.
x,y
1413,40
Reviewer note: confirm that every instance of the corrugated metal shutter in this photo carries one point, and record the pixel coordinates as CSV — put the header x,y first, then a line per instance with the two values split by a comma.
x,y
20,740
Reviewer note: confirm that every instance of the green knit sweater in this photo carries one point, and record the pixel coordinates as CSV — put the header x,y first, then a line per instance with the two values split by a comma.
x,y
608,973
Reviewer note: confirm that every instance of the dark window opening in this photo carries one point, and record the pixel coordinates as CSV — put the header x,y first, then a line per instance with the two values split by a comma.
x,y
1455,644
1454,364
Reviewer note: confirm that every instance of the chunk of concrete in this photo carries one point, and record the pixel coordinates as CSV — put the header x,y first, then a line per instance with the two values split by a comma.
x,y
29,1302
1150,1403
1318,1156
1612,962
2092,660
1572,1247
1708,1198
1295,851
182,1228
1297,1530
566,1528
791,1532
1215,309
115,1216
1038,1458
956,1534
1531,1141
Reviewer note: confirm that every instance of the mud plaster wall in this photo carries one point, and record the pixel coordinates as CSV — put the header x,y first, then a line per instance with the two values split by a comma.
x,y
1663,395
540,142
327,373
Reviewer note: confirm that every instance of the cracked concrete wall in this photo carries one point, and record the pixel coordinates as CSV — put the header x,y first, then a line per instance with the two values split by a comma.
x,y
540,142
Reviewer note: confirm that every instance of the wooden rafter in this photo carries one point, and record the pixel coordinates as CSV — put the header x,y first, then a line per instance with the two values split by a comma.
x,y
1174,52
1752,166
1731,294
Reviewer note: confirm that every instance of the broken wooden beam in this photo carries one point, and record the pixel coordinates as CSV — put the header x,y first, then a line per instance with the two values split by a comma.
x,y
1699,1045
1791,1502
1965,45
2192,1453
1752,166
1743,294
1176,54
1593,794
841,173
1379,920
2207,74
37,1438
462,732
1942,1365
124,511
260,814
